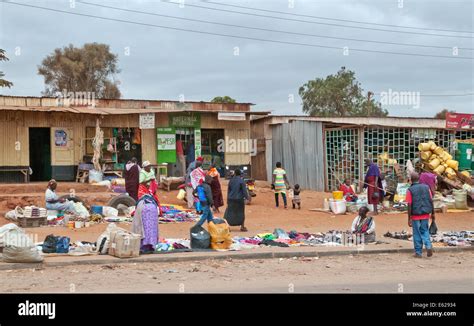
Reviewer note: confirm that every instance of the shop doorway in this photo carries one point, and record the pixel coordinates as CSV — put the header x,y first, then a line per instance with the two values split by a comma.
x,y
211,143
186,137
40,153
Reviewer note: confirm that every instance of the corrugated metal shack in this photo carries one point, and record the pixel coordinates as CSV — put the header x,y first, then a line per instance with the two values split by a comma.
x,y
318,153
54,138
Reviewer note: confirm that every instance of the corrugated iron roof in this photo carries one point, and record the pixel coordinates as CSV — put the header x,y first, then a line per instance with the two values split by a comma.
x,y
402,122
108,111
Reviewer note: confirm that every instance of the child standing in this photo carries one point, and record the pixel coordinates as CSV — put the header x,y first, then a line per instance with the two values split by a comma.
x,y
296,196
204,194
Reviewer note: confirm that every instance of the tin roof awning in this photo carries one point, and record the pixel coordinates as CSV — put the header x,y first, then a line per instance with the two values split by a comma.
x,y
108,111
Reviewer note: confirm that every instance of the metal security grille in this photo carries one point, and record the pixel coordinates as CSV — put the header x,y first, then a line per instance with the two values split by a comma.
x,y
401,144
342,156
464,134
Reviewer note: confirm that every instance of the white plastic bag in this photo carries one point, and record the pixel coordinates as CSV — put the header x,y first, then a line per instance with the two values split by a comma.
x,y
14,254
18,247
11,215
81,210
108,211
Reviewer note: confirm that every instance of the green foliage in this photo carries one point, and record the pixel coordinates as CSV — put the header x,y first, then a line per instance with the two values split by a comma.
x,y
223,99
3,82
88,69
338,95
442,114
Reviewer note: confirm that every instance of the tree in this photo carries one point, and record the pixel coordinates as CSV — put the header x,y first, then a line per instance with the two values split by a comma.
x,y
223,99
338,95
88,69
3,82
442,114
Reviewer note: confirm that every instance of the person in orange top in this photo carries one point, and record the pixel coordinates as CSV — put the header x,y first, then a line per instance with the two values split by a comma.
x,y
347,191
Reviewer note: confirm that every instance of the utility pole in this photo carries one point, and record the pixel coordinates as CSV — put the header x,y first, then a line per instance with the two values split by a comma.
x,y
369,95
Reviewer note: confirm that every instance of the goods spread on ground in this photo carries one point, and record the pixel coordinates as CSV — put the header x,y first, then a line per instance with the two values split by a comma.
x,y
441,239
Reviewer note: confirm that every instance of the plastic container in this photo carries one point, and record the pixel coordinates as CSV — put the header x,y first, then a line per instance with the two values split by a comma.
x,y
438,150
425,156
453,164
439,170
70,225
338,195
434,164
337,206
97,209
423,147
464,156
181,194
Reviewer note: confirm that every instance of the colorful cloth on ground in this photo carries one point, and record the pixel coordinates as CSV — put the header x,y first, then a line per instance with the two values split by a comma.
x,y
280,185
132,177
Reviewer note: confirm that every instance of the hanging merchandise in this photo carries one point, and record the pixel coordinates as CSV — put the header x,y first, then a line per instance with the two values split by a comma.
x,y
137,136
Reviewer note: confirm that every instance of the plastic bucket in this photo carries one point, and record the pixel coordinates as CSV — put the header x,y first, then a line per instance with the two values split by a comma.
x,y
337,195
97,209
338,206
70,224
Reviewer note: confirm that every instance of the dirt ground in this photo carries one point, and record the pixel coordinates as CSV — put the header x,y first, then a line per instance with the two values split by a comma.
x,y
261,215
382,273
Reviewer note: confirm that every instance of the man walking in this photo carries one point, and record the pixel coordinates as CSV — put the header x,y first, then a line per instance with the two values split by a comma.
x,y
420,208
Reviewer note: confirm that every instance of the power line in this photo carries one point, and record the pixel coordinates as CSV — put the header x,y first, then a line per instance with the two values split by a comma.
x,y
266,29
235,36
313,22
336,19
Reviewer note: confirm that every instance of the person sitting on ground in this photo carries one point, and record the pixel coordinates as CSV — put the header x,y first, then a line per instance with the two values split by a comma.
x,y
204,194
296,196
53,202
347,191
364,225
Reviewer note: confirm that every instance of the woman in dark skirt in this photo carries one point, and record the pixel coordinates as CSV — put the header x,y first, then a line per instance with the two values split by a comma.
x,y
236,195
216,189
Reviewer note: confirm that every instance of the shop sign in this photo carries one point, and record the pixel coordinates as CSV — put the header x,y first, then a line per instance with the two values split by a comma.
x,y
459,121
147,121
166,139
185,120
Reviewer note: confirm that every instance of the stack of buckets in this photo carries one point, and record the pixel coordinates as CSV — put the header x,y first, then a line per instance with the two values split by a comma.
x,y
337,203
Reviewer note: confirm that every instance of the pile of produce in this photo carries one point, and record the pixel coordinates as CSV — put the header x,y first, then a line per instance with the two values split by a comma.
x,y
439,161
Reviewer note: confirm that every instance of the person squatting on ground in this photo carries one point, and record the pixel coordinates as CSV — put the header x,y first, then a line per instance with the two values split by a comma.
x,y
204,194
364,225
280,184
296,200
420,209
53,202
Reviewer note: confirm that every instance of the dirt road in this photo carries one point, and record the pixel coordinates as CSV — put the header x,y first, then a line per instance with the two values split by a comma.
x,y
261,215
443,273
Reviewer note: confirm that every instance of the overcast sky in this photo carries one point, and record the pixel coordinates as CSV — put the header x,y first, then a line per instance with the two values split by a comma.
x,y
163,63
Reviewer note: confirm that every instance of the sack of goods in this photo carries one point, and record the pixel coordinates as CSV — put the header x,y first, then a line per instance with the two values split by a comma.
x,y
200,238
220,234
18,246
124,244
58,245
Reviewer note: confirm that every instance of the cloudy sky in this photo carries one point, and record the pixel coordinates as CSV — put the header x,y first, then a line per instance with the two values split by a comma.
x,y
161,63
